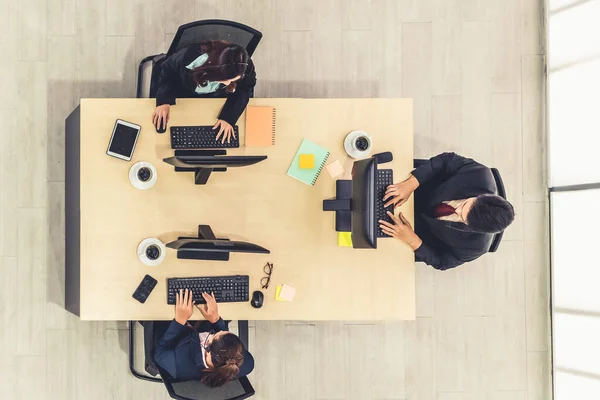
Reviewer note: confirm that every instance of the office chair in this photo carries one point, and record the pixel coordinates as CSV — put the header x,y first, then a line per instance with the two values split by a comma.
x,y
501,192
188,390
194,32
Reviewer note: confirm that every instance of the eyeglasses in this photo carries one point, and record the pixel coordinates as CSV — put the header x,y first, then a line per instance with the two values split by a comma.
x,y
268,269
206,345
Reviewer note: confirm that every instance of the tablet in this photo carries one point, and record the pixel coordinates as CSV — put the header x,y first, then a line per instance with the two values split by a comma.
x,y
123,140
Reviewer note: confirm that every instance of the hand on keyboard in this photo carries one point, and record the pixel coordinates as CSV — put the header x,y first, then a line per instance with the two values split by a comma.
x,y
184,306
400,229
210,310
225,129
398,193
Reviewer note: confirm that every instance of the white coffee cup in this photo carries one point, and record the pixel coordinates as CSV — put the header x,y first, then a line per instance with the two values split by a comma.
x,y
358,144
142,175
151,252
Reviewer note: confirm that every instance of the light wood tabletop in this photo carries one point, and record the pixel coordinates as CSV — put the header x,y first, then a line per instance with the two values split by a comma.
x,y
259,204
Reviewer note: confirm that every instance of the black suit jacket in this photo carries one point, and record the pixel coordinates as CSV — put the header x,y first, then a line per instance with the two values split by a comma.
x,y
176,81
179,352
446,177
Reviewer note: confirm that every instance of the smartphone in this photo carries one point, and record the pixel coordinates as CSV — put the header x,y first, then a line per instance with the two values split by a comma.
x,y
144,289
123,140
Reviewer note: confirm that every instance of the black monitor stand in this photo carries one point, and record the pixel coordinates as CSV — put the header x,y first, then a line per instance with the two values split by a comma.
x,y
342,205
204,232
201,175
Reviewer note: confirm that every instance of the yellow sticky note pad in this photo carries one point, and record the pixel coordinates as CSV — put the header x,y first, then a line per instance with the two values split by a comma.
x,y
284,293
345,239
335,169
306,161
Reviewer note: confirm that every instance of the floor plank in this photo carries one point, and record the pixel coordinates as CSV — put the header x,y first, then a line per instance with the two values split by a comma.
x,y
538,375
390,380
476,91
9,184
330,360
446,47
416,81
61,356
63,97
360,366
61,18
449,330
31,282
420,360
299,362
506,42
32,23
32,129
537,276
31,378
535,176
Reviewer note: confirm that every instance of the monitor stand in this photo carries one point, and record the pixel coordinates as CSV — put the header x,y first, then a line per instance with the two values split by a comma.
x,y
204,232
201,175
342,205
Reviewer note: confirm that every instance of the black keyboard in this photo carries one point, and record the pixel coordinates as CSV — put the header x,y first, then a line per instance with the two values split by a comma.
x,y
385,178
227,289
201,137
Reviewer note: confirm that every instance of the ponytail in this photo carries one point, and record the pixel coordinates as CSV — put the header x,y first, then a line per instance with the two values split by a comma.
x,y
227,354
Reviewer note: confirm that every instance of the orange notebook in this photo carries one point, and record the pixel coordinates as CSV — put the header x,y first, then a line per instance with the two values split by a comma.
x,y
260,126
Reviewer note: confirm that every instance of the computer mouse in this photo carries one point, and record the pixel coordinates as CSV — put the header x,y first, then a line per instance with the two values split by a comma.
x,y
257,299
160,128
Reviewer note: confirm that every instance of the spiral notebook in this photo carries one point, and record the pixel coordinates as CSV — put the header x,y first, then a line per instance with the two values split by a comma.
x,y
309,176
260,126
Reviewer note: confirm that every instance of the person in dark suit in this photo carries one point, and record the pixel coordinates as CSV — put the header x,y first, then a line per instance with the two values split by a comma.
x,y
209,69
457,211
214,357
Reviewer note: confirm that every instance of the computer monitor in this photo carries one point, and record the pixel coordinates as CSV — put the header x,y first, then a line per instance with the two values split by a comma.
x,y
207,247
204,162
363,207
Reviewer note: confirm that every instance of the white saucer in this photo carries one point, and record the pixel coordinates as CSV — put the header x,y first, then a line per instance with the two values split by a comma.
x,y
353,151
141,252
135,181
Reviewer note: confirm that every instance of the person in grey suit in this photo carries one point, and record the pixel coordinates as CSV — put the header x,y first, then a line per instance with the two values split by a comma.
x,y
214,356
457,210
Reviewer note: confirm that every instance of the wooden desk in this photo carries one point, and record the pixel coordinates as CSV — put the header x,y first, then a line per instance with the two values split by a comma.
x,y
107,217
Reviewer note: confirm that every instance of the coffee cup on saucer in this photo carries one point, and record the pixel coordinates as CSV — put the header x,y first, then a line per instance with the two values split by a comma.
x,y
142,175
151,252
358,144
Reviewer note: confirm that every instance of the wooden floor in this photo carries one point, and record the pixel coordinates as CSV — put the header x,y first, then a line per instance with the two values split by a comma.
x,y
475,69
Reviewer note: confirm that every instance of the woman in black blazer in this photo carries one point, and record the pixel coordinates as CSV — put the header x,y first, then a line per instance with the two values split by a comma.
x,y
209,69
214,357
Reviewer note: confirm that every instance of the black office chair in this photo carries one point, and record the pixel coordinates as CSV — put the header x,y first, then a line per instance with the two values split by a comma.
x,y
188,390
501,192
194,32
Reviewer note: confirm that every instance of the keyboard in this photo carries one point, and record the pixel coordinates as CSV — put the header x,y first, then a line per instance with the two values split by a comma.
x,y
227,289
201,137
385,178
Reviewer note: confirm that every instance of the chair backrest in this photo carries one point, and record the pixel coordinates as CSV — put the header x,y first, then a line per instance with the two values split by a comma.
x,y
502,193
215,29
195,390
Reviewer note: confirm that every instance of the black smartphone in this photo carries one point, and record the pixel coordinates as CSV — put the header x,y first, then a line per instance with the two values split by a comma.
x,y
144,289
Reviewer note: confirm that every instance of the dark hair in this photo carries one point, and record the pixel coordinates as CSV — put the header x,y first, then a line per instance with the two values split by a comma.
x,y
227,356
225,61
490,214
